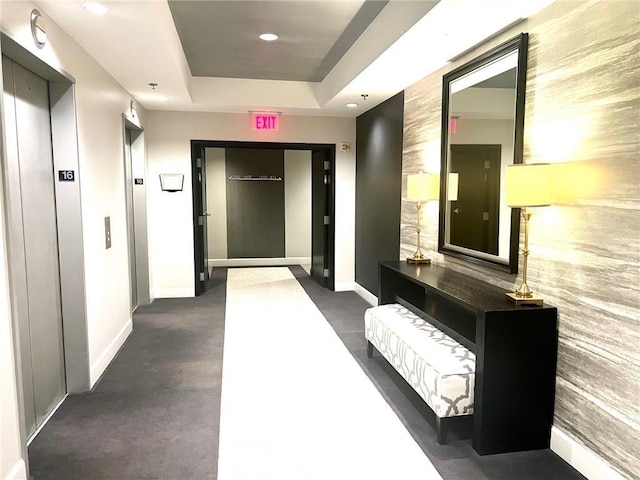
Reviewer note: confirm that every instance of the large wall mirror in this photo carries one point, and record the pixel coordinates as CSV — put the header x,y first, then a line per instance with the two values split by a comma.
x,y
482,133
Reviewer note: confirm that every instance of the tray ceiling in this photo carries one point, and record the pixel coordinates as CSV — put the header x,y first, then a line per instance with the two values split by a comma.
x,y
204,55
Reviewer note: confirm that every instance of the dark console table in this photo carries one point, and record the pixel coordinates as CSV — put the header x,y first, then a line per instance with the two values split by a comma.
x,y
516,350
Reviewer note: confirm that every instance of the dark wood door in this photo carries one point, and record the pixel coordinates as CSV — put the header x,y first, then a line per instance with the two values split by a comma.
x,y
201,251
475,216
255,203
319,210
205,217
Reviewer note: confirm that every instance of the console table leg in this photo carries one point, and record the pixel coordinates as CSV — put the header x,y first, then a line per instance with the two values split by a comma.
x,y
441,430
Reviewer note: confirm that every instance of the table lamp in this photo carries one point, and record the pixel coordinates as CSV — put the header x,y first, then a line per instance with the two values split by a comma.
x,y
527,185
421,187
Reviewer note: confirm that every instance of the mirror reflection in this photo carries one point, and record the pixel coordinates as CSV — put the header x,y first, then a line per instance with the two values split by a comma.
x,y
482,134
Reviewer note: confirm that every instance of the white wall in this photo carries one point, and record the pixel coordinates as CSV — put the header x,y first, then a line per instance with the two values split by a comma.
x,y
216,202
494,103
170,215
297,203
100,103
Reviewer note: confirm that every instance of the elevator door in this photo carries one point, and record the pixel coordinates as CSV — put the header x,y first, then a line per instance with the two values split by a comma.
x,y
33,241
131,230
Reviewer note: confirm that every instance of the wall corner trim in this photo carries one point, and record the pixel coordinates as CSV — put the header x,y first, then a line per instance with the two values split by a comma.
x,y
173,292
18,472
365,294
110,352
343,287
581,458
255,262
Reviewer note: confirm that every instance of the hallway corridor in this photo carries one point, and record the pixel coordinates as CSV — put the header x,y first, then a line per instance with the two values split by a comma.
x,y
155,414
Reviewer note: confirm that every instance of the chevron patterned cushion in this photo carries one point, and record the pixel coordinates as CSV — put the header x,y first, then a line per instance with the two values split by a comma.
x,y
439,368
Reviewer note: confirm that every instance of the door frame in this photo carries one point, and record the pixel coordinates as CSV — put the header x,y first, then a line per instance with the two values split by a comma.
x,y
64,133
490,229
197,151
139,208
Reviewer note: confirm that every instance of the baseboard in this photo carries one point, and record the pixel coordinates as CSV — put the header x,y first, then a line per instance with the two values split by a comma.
x,y
343,287
366,294
18,472
581,458
51,413
110,352
258,262
173,292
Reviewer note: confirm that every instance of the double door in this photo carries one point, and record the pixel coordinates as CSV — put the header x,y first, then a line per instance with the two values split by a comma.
x,y
322,207
33,242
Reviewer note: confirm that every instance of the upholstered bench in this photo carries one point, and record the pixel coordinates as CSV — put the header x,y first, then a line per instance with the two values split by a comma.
x,y
437,367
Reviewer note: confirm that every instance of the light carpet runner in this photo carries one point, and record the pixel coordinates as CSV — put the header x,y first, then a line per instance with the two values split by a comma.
x,y
295,404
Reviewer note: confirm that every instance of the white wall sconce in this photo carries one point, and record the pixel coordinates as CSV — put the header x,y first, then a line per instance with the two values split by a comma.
x,y
171,182
37,29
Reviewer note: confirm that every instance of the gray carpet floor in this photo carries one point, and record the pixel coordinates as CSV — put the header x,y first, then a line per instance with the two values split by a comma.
x,y
456,460
155,412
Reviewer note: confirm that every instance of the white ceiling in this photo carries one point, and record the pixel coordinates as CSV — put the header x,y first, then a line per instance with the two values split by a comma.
x,y
220,39
138,43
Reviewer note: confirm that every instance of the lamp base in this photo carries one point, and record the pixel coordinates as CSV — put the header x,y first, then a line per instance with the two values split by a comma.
x,y
419,261
519,300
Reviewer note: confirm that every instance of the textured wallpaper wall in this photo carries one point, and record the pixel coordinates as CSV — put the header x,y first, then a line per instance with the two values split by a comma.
x,y
582,112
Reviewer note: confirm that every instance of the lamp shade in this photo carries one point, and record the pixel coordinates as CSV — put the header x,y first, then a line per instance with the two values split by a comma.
x,y
423,186
529,185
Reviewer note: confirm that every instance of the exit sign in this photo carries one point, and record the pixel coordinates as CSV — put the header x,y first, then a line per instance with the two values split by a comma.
x,y
264,122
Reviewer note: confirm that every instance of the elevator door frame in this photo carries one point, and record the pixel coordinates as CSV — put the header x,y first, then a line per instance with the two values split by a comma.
x,y
33,241
137,228
69,219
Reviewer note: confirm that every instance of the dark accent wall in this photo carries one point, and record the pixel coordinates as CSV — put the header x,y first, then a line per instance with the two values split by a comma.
x,y
255,208
378,188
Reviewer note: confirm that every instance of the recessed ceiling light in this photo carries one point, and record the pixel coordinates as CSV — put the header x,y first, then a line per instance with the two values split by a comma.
x,y
268,37
352,105
95,7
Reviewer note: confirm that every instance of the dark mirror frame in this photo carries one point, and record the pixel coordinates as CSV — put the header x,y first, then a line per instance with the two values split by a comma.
x,y
519,43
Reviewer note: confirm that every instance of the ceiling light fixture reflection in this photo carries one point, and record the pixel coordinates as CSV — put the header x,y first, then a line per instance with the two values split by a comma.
x,y
268,37
95,8
351,105
162,97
